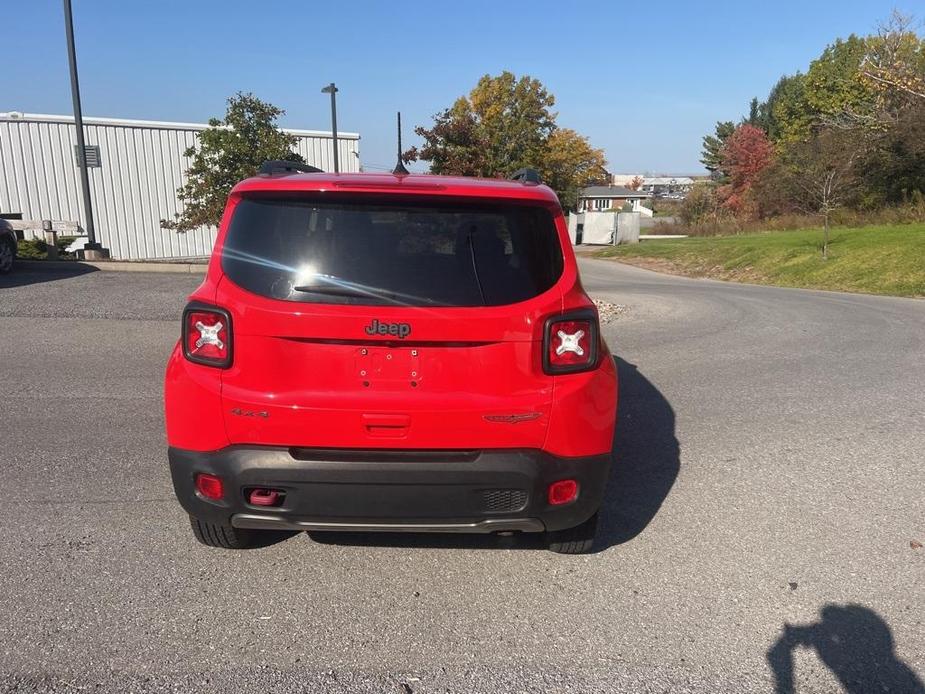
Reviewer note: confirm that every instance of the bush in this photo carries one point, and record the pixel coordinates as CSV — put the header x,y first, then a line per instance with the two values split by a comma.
x,y
700,206
702,214
32,249
665,207
726,225
63,242
37,249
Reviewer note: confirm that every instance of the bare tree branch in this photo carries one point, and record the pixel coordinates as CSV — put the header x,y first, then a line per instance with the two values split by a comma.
x,y
887,63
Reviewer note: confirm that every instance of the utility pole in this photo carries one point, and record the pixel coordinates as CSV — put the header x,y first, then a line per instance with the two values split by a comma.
x,y
79,124
332,90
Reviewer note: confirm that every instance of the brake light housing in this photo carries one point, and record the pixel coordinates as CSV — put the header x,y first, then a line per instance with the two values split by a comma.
x,y
571,342
210,486
207,336
562,492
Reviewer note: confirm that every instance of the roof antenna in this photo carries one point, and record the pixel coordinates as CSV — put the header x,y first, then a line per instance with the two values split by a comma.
x,y
399,169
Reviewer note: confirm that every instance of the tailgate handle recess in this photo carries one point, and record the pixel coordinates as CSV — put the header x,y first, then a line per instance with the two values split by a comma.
x,y
388,425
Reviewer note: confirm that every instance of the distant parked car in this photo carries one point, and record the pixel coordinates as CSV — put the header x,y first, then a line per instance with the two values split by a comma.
x,y
7,246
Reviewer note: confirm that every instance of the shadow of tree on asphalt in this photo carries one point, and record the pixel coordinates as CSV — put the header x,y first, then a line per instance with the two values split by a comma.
x,y
646,458
22,276
855,643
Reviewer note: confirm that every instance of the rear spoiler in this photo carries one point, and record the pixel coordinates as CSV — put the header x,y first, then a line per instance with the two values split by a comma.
x,y
281,166
527,176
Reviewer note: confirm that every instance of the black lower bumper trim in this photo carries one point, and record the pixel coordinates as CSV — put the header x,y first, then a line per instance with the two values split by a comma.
x,y
489,525
419,491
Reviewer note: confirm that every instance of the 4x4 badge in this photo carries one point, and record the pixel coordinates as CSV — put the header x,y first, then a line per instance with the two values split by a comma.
x,y
401,330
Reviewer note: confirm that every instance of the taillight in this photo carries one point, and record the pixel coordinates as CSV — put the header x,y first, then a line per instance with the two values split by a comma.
x,y
562,492
207,335
570,343
210,486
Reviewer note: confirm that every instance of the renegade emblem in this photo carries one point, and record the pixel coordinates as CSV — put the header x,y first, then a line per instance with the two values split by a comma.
x,y
513,418
250,413
401,330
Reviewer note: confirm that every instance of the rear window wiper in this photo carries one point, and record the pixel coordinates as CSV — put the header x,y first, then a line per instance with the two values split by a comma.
x,y
350,292
340,290
475,265
332,289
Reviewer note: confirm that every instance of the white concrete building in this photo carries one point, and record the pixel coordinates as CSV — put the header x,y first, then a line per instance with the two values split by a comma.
x,y
135,169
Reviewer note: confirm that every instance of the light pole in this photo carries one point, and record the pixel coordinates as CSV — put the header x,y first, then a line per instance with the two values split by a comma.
x,y
332,90
79,124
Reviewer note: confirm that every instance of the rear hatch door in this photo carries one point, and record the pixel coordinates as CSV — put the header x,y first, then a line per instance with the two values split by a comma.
x,y
375,322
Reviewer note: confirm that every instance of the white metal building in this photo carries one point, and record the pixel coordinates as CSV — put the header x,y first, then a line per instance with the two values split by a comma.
x,y
659,185
135,169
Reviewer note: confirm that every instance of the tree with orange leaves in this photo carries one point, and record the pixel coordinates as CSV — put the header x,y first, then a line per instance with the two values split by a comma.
x,y
746,154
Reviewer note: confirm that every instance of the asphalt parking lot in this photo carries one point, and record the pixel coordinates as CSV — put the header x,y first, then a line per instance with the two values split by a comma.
x,y
762,526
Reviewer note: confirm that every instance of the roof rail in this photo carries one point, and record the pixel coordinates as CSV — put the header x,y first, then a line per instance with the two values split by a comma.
x,y
281,166
526,176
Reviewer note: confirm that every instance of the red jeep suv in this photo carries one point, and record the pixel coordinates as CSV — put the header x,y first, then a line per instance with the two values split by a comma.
x,y
380,352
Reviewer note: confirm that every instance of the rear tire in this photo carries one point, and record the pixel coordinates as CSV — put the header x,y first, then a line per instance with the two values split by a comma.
x,y
7,255
577,540
224,536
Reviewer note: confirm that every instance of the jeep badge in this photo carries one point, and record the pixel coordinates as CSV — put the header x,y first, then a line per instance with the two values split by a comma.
x,y
400,330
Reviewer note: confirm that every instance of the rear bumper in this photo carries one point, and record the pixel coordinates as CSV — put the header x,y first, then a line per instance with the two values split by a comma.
x,y
390,490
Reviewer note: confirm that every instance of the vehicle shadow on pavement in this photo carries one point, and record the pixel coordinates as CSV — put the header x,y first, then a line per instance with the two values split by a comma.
x,y
646,458
855,643
21,276
532,541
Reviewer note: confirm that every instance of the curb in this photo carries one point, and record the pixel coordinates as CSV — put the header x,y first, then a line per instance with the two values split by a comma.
x,y
113,266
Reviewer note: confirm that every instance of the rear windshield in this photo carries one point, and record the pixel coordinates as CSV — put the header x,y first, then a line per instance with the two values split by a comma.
x,y
415,254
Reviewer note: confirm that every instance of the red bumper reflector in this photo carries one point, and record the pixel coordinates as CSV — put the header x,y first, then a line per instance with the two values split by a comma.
x,y
264,497
209,486
562,492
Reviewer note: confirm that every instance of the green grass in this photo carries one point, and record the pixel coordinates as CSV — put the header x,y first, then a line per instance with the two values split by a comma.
x,y
872,260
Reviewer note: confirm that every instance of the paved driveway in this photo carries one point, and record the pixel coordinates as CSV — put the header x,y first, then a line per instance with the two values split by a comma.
x,y
769,473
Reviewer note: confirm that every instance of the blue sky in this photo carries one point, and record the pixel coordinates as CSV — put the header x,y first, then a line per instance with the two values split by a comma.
x,y
644,81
